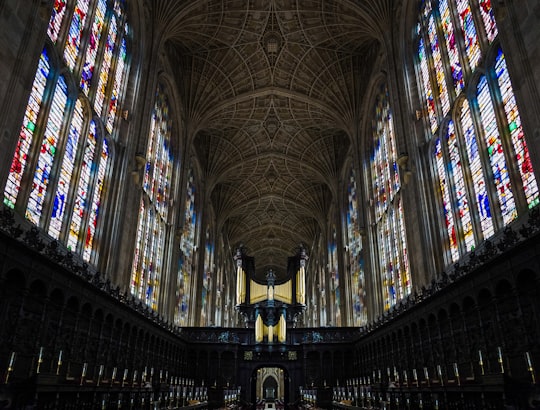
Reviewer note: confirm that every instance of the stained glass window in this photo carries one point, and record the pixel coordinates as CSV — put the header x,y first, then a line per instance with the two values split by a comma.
x,y
187,245
47,152
335,295
446,201
495,151
55,23
93,47
63,148
73,42
483,148
459,190
356,255
438,67
488,18
148,261
118,81
451,45
428,91
393,262
95,205
207,280
106,66
515,130
28,129
66,171
477,171
83,190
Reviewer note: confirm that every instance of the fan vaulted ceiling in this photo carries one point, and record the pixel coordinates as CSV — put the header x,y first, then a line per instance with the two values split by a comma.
x,y
271,91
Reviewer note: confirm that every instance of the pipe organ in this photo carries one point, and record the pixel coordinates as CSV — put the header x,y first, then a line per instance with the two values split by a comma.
x,y
270,307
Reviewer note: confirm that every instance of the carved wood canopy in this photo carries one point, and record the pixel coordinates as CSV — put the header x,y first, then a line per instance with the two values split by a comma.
x,y
272,92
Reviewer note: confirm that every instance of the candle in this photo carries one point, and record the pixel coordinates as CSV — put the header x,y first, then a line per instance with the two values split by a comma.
x,y
529,362
125,375
83,373
12,361
113,376
426,373
415,375
481,361
40,359
59,363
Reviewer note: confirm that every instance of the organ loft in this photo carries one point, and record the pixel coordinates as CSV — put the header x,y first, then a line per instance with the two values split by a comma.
x,y
269,204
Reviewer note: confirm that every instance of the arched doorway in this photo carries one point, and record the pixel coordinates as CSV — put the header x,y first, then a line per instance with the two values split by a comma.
x,y
270,384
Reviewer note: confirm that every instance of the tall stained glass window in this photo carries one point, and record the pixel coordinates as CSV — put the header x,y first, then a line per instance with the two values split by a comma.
x,y
63,155
355,255
207,280
187,255
480,155
394,269
150,247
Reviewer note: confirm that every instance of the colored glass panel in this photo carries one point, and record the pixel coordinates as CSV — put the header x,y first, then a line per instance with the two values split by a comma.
x,y
428,91
73,42
515,130
156,185
385,187
66,171
26,135
355,252
106,66
136,270
187,243
405,277
47,152
447,204
494,146
95,207
451,46
488,18
385,175
118,81
476,170
470,36
80,207
93,47
55,22
438,65
459,189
